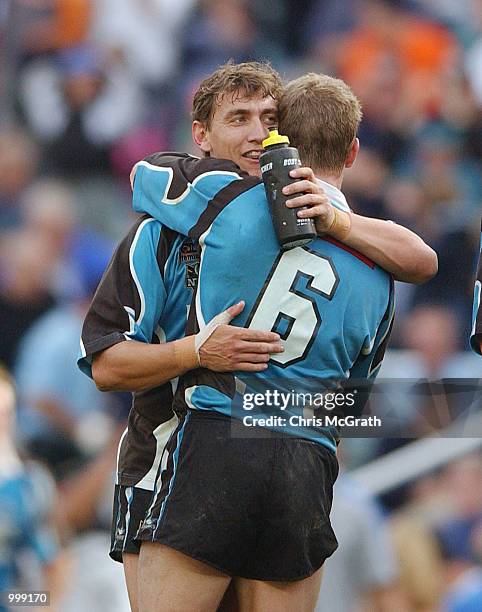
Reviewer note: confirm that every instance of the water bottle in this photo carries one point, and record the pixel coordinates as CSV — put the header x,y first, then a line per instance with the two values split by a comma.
x,y
276,162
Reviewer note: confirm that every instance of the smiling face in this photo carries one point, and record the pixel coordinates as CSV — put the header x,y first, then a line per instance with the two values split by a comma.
x,y
237,129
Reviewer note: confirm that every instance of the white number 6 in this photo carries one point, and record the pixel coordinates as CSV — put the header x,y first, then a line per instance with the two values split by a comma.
x,y
286,306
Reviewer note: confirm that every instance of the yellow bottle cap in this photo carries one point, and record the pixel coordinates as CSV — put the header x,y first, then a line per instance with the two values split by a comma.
x,y
274,138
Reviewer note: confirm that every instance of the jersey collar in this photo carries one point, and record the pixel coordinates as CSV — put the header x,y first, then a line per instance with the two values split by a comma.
x,y
336,196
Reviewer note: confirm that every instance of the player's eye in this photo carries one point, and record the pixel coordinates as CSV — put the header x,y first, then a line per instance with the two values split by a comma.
x,y
271,120
238,119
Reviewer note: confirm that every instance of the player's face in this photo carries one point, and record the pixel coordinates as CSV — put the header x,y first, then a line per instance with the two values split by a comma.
x,y
238,128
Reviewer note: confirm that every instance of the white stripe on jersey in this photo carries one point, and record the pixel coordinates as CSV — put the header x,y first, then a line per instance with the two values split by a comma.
x,y
158,482
162,433
199,315
169,171
134,274
477,292
129,494
188,395
124,433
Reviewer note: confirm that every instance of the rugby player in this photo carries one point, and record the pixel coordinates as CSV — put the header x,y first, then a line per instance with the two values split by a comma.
x,y
137,302
215,513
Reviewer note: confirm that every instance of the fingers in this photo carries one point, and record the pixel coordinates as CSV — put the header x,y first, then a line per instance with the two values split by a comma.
x,y
252,367
259,347
235,310
257,335
313,212
308,199
303,173
254,357
304,186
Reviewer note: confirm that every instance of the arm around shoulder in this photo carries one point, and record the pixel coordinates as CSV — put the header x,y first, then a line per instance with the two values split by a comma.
x,y
393,247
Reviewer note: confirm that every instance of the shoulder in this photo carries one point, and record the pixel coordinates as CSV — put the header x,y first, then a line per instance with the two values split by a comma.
x,y
191,165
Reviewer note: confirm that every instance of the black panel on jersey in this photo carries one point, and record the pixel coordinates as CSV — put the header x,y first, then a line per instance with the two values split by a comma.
x,y
187,168
224,197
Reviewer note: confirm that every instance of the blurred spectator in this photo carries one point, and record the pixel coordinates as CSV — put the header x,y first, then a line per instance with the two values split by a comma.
x,y
26,262
50,209
431,332
77,96
422,51
217,32
18,165
462,480
47,25
24,512
86,501
419,559
459,536
142,32
62,415
364,567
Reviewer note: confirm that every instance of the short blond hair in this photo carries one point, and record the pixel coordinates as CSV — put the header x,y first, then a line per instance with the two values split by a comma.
x,y
320,115
249,78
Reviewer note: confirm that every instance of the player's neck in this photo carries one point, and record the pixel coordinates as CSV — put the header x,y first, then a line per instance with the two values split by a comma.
x,y
333,179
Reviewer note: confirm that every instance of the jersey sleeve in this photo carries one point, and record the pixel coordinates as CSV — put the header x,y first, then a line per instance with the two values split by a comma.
x,y
371,356
476,333
182,191
367,365
131,295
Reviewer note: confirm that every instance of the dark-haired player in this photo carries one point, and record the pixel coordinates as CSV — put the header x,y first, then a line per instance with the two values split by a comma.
x,y
168,263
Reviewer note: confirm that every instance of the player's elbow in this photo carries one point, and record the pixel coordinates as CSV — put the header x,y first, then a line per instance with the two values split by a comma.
x,y
427,264
103,375
422,267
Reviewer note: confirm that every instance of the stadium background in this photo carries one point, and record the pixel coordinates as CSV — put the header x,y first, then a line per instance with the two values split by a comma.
x,y
89,87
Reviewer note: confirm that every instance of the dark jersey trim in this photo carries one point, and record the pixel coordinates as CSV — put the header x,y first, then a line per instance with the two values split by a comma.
x,y
224,197
186,168
164,247
102,343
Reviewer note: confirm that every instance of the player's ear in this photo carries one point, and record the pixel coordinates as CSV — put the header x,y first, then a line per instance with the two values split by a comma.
x,y
352,153
200,135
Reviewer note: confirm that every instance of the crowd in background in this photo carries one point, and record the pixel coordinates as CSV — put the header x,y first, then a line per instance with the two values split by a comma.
x,y
89,87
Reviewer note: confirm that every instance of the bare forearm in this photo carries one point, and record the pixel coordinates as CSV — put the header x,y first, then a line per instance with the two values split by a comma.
x,y
393,247
135,366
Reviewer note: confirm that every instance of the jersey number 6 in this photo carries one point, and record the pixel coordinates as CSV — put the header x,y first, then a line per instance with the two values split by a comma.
x,y
287,303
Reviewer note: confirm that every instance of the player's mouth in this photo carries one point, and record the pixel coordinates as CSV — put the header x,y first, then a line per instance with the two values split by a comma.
x,y
253,155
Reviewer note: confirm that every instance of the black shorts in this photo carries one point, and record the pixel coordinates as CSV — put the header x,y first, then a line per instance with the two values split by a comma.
x,y
256,508
130,507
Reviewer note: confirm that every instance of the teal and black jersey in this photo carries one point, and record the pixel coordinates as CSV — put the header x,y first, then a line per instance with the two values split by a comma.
x,y
476,334
144,295
331,306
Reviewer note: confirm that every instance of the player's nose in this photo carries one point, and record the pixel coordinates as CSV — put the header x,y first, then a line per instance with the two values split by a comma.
x,y
258,131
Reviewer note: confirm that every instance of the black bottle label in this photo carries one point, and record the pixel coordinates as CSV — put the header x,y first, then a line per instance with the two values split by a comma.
x,y
276,163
